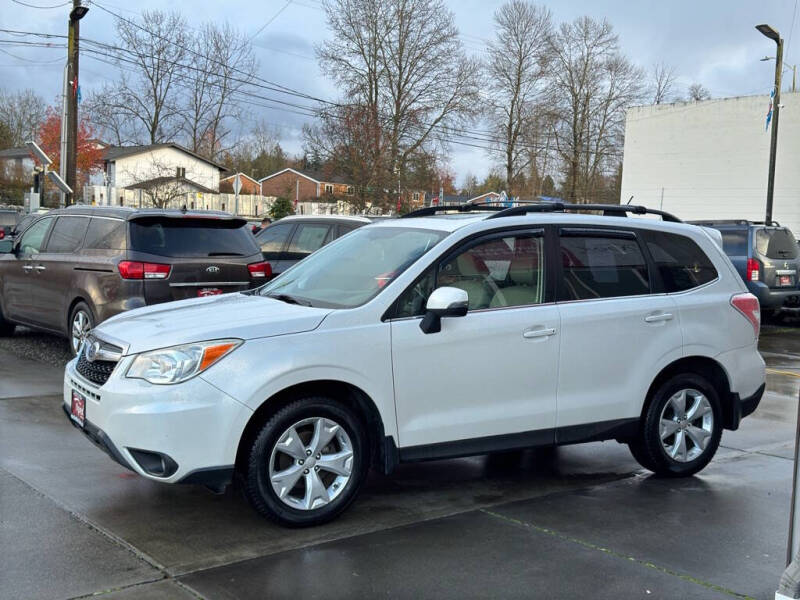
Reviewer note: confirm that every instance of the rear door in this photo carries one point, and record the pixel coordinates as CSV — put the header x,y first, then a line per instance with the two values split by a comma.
x,y
273,242
188,257
617,329
776,249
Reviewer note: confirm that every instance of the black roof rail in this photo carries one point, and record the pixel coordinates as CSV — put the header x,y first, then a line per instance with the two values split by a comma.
x,y
432,210
714,222
608,210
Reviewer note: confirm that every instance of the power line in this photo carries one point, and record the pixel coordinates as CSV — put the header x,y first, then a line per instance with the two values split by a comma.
x,y
267,24
42,7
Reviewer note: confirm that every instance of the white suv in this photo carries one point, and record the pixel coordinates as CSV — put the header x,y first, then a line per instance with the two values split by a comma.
x,y
430,337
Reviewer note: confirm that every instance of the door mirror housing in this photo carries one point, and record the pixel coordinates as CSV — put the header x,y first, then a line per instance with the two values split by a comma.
x,y
443,302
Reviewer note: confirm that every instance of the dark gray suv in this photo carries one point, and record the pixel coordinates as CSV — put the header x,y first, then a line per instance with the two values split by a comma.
x,y
766,257
75,267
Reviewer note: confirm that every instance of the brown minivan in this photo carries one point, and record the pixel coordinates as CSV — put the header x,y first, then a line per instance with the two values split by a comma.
x,y
75,267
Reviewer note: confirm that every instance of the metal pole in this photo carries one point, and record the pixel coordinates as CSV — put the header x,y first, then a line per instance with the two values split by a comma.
x,y
794,516
794,78
773,145
72,97
62,157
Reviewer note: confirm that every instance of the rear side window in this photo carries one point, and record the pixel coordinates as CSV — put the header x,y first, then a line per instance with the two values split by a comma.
x,y
187,237
679,260
105,234
734,242
602,267
67,234
273,238
776,243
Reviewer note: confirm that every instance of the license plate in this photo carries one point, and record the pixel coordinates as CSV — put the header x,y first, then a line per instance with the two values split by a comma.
x,y
78,409
208,292
785,280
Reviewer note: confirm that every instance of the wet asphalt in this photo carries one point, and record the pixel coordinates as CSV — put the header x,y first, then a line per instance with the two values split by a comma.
x,y
578,521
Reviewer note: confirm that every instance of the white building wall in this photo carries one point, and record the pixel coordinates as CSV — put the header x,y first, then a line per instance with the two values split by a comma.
x,y
162,162
710,159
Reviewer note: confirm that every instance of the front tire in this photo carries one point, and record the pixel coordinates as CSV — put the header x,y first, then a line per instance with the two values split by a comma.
x,y
81,322
307,463
682,427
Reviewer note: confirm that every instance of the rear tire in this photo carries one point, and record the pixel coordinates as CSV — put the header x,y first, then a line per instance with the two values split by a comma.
x,y
682,427
81,322
307,463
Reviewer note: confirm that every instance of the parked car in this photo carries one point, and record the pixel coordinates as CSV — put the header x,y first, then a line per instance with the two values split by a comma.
x,y
289,240
73,268
374,350
8,222
767,259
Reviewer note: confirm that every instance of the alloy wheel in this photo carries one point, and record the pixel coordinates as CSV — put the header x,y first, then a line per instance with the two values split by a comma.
x,y
311,463
686,425
81,324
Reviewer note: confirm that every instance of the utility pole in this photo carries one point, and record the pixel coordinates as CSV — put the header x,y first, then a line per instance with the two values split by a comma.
x,y
73,54
772,34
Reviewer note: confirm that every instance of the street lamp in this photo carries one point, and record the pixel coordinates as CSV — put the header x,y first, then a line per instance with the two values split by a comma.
x,y
772,34
786,66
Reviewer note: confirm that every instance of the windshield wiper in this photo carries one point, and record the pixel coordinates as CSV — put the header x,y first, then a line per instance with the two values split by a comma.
x,y
289,299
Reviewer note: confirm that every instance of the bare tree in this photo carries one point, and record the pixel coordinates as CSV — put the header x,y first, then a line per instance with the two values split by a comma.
x,y
662,81
517,66
697,92
593,84
402,61
21,114
222,62
161,182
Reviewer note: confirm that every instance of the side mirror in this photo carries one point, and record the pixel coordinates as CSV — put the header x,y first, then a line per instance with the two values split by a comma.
x,y
6,246
443,302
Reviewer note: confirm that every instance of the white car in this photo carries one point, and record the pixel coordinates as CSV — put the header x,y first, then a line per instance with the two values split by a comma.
x,y
431,337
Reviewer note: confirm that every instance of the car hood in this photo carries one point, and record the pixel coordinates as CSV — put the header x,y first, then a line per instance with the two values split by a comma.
x,y
243,316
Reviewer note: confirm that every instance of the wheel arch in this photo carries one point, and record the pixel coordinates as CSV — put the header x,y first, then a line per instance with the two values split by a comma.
x,y
75,300
341,391
708,368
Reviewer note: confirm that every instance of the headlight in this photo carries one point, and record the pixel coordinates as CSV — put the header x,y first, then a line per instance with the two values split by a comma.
x,y
179,363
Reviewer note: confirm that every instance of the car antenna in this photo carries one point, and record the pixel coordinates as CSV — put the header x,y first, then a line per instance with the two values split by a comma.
x,y
629,200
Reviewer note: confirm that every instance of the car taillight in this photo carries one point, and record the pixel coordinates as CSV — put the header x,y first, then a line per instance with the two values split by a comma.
x,y
129,269
748,306
753,269
2,233
260,270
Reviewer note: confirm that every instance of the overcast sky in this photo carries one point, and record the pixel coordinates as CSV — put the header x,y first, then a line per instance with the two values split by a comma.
x,y
712,42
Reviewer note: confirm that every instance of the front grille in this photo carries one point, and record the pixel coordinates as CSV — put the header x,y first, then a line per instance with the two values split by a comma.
x,y
97,371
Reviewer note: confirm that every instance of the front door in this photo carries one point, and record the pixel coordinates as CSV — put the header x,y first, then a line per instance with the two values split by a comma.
x,y
19,273
490,373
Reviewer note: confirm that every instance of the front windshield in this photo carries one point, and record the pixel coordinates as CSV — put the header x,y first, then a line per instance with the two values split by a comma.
x,y
353,269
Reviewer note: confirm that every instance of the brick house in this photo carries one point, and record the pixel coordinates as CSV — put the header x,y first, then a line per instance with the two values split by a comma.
x,y
303,186
250,186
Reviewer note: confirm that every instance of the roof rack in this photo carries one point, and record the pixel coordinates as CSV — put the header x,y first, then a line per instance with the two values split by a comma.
x,y
432,210
713,222
608,210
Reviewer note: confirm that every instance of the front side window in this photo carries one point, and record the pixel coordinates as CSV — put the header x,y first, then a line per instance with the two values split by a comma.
x,y
602,267
67,234
273,239
680,262
499,272
354,269
309,238
33,238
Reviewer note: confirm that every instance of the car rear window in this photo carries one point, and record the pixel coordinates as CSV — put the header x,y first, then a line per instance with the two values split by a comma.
x,y
188,237
681,263
734,242
776,243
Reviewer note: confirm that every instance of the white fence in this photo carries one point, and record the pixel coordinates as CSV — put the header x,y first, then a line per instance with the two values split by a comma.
x,y
249,205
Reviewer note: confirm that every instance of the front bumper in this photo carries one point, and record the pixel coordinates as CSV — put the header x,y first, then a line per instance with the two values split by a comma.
x,y
192,424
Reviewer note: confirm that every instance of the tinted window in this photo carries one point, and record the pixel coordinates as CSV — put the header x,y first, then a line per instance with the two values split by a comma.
x,y
273,238
776,243
32,239
67,234
309,237
734,241
602,267
187,237
681,262
8,218
105,234
496,273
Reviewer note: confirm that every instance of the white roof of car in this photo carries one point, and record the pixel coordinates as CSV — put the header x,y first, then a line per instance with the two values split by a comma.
x,y
324,218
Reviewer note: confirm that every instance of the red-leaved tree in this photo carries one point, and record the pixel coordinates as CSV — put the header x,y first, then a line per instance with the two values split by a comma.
x,y
90,154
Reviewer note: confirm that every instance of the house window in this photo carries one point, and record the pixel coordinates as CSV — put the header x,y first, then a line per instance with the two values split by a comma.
x,y
328,188
223,206
120,200
180,172
192,204
416,196
350,190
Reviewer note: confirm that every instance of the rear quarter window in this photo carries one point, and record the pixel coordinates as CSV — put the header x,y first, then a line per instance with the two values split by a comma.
x,y
105,234
188,237
681,263
734,242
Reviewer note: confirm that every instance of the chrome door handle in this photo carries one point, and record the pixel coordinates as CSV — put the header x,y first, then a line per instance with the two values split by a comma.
x,y
27,268
657,318
536,333
39,268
